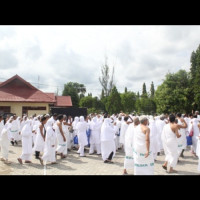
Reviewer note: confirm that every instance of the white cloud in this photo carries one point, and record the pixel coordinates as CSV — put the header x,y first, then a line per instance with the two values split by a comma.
x,y
59,54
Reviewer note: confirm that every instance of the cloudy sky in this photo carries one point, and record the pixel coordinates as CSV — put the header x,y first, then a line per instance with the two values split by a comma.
x,y
59,54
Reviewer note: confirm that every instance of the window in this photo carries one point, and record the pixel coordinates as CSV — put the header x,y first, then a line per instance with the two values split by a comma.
x,y
5,109
26,109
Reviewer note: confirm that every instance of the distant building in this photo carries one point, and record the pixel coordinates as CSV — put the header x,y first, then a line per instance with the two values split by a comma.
x,y
20,97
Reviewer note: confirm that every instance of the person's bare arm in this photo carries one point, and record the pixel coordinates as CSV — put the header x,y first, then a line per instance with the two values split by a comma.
x,y
41,132
176,131
61,131
184,122
147,138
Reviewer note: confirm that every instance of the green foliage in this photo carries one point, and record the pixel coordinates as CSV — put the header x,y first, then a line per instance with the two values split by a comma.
x,y
75,90
128,100
113,104
172,95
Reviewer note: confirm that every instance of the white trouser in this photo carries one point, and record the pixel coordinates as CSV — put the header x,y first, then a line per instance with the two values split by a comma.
x,y
94,147
26,157
81,150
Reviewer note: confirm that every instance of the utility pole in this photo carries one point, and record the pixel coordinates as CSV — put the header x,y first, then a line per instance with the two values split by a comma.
x,y
38,82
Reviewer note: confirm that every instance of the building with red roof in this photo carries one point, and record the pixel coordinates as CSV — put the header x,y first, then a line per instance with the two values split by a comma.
x,y
20,97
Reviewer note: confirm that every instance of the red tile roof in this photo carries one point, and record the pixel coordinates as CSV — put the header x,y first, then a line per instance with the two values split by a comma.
x,y
51,95
63,101
18,90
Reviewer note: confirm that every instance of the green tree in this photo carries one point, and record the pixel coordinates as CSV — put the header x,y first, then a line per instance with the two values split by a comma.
x,y
75,90
113,104
144,90
105,80
173,94
128,100
86,102
126,90
195,73
152,90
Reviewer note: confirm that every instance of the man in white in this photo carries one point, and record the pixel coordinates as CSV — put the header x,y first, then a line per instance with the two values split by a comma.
x,y
75,122
95,140
198,152
82,136
62,141
5,139
129,136
50,144
14,131
107,141
124,126
195,127
154,143
26,143
160,123
182,142
170,143
143,157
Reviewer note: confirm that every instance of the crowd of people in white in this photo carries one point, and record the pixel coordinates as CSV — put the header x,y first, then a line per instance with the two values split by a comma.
x,y
142,138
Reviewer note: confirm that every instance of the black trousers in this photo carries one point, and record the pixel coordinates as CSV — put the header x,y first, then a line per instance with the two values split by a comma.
x,y
37,154
110,156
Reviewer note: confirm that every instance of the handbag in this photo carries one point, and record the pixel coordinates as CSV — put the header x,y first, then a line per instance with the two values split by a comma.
x,y
191,132
76,139
189,140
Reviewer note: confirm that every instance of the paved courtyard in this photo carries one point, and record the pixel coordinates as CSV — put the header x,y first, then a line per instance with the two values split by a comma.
x,y
90,165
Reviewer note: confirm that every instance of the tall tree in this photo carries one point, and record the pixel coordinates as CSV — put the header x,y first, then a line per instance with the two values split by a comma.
x,y
113,104
102,94
152,90
196,83
125,90
75,90
172,95
106,81
144,90
128,100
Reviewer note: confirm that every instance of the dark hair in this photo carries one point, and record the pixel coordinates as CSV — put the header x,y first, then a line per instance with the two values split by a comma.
x,y
55,115
105,116
43,119
190,114
195,116
176,121
172,118
126,118
1,116
60,117
178,114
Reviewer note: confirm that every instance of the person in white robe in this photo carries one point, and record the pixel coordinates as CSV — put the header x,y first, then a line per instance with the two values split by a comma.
x,y
198,152
36,124
170,144
14,131
66,125
95,140
154,141
160,123
74,134
182,142
81,128
124,126
108,148
129,136
5,137
26,134
40,139
50,144
62,141
195,128
143,156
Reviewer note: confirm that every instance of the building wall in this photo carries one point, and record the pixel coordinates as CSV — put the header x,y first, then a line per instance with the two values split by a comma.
x,y
17,107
